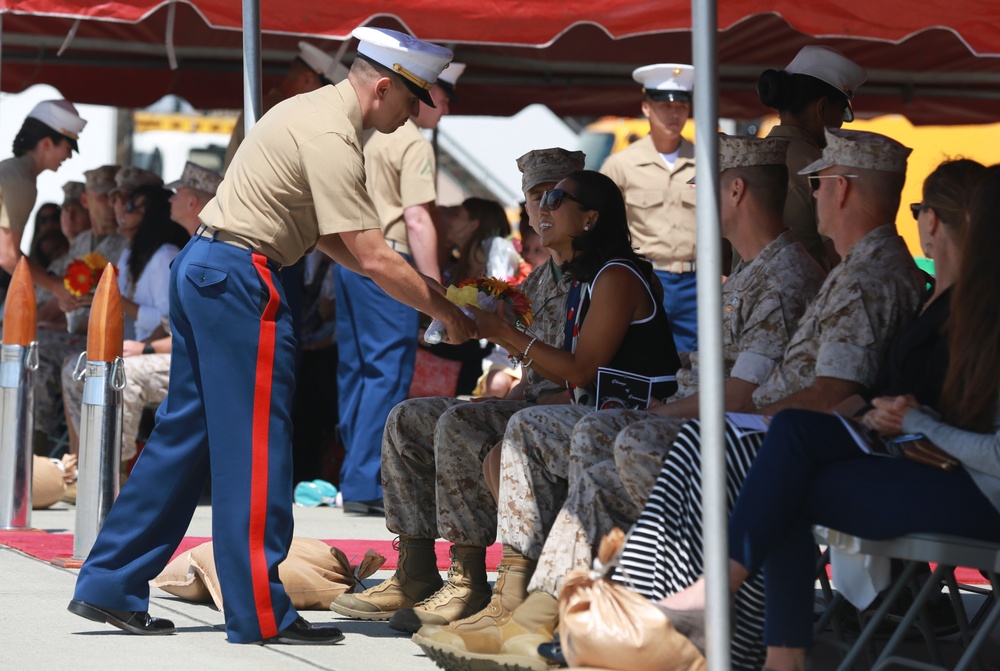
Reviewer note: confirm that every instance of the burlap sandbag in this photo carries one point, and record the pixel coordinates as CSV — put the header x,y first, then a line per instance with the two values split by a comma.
x,y
605,625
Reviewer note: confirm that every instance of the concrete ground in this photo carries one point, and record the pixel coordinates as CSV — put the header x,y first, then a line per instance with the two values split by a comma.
x,y
38,634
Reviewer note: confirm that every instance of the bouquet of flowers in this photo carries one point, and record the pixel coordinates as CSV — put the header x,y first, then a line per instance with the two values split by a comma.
x,y
83,274
485,293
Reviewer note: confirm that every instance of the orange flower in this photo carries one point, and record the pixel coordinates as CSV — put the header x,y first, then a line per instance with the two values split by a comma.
x,y
79,278
83,274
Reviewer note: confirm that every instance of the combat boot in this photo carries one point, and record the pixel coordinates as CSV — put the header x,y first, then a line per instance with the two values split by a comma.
x,y
510,590
511,646
465,593
416,579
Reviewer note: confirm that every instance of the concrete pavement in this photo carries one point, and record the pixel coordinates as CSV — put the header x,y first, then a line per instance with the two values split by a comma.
x,y
37,633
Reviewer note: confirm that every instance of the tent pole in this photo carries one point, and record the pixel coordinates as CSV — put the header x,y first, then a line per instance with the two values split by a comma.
x,y
251,64
704,21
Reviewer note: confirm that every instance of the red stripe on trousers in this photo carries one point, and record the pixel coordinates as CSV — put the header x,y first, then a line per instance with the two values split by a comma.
x,y
259,455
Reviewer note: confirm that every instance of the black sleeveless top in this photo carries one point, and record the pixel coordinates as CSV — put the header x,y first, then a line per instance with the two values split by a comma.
x,y
648,348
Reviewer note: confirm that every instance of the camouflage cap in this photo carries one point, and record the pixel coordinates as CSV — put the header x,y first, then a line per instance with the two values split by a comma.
x,y
131,177
72,192
744,152
548,165
860,149
101,180
197,177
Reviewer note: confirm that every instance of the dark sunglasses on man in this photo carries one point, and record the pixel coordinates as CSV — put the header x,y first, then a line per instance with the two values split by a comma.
x,y
552,199
814,180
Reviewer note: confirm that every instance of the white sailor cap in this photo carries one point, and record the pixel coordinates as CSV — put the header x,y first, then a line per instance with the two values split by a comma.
x,y
672,82
62,117
326,66
418,63
449,77
830,66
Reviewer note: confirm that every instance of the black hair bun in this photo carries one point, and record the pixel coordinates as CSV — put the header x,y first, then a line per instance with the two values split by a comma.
x,y
774,88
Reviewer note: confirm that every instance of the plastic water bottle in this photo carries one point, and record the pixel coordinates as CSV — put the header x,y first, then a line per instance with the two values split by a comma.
x,y
315,493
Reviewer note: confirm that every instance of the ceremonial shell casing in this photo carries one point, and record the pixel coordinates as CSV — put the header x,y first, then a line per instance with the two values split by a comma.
x,y
18,362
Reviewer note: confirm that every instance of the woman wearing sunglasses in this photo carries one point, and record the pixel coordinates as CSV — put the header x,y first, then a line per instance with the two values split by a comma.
x,y
814,92
614,318
143,280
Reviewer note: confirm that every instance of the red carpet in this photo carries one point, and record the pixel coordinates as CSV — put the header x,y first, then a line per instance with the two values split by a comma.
x,y
45,546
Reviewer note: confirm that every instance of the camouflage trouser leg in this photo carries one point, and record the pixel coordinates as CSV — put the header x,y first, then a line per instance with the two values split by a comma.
x,y
594,436
466,511
54,348
639,452
72,391
147,377
593,505
534,467
408,471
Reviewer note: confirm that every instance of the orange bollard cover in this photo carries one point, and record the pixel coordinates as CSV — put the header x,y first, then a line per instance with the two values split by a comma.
x,y
105,331
20,315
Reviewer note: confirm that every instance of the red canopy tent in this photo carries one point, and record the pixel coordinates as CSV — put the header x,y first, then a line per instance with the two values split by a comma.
x,y
938,65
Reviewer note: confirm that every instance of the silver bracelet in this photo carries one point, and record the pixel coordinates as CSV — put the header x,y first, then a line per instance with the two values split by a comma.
x,y
524,355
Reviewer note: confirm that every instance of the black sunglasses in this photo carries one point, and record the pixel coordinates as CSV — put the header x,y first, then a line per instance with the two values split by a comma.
x,y
917,208
814,180
551,200
131,206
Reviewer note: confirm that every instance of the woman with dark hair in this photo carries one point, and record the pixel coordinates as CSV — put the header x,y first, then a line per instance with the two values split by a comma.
x,y
814,92
471,231
144,268
809,470
584,220
38,146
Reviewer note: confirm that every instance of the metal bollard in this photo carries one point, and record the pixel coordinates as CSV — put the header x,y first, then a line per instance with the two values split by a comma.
x,y
99,470
18,363
17,402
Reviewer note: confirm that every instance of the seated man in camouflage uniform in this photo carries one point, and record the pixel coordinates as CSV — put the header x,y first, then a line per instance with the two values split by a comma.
x,y
834,353
432,457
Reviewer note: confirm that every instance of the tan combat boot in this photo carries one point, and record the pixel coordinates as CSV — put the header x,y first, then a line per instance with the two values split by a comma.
x,y
416,579
464,593
512,646
510,590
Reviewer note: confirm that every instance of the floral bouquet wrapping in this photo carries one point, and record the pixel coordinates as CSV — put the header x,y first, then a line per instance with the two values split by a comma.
x,y
486,293
83,274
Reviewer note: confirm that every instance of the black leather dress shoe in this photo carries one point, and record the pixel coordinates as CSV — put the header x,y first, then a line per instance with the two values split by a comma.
x,y
302,633
373,507
552,651
132,621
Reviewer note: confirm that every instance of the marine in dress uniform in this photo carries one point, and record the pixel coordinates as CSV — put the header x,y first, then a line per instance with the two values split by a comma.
x,y
814,91
653,174
232,371
376,334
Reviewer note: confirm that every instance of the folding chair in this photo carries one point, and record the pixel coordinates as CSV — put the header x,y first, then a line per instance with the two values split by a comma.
x,y
947,552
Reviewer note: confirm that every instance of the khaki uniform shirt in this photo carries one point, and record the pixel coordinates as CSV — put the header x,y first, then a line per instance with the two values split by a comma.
x,y
271,98
660,203
400,169
548,304
846,330
299,175
800,206
763,301
17,192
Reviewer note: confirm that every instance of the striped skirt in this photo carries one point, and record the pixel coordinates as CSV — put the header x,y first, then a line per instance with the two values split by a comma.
x,y
663,553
